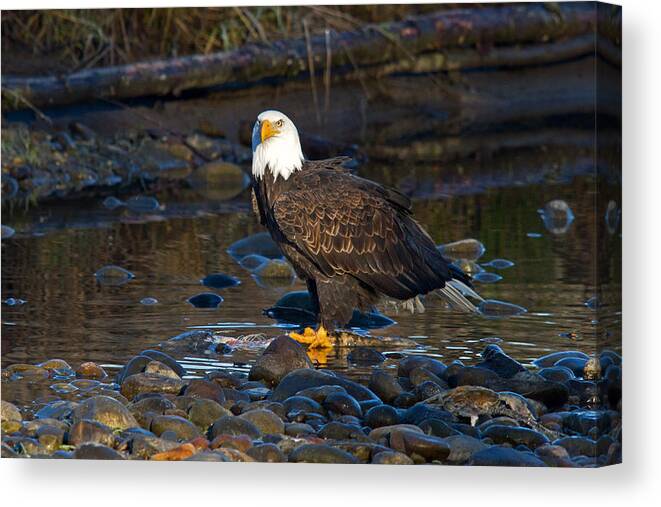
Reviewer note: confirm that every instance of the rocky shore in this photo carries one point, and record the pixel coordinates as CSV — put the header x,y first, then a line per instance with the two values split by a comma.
x,y
564,410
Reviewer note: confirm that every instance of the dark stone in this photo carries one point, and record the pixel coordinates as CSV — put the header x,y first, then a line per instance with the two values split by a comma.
x,y
267,453
575,364
203,413
438,428
391,458
410,442
554,357
514,435
472,376
266,421
314,453
462,447
220,281
135,365
85,431
199,388
96,451
557,373
405,400
141,383
584,421
421,374
494,359
182,428
578,446
105,410
232,425
335,430
320,393
298,403
282,356
427,389
385,386
301,379
343,404
60,410
205,300
365,356
504,457
421,411
409,363
381,415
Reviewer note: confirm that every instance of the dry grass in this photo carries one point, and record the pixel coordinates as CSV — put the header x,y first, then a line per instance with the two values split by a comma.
x,y
66,40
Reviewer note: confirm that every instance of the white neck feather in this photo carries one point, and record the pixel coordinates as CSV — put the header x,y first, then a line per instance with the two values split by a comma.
x,y
281,154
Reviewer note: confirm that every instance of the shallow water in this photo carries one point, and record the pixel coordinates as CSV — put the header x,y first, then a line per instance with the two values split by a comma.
x,y
51,260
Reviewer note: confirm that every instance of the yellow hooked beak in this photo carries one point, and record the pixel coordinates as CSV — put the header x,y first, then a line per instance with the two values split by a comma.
x,y
268,130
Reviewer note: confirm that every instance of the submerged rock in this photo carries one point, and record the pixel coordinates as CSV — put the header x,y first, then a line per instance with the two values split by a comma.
x,y
469,249
105,410
252,262
7,232
487,277
499,264
205,300
142,204
274,273
557,216
113,203
260,244
113,275
220,281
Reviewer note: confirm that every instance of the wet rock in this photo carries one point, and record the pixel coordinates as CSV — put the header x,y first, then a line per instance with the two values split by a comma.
x,y
50,438
158,368
405,400
487,277
554,357
252,262
91,370
495,309
504,457
146,408
391,458
302,403
557,373
385,386
315,453
112,203
204,412
365,356
462,448
411,442
422,411
470,249
578,446
428,389
343,404
514,435
437,428
220,281
281,357
275,273
320,393
381,415
60,409
19,370
557,216
266,421
421,374
11,417
86,430
575,364
494,359
410,363
142,204
113,275
7,232
182,428
295,429
232,425
105,410
200,388
205,300
267,453
499,264
535,387
301,379
472,376
586,421
149,301
260,244
142,383
96,451
553,455
336,430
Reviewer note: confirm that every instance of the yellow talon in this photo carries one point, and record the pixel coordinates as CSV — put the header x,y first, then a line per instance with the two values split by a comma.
x,y
315,339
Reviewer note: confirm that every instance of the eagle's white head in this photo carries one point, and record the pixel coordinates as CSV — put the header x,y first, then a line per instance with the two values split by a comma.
x,y
275,145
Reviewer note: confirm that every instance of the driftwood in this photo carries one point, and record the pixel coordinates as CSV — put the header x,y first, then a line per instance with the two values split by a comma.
x,y
470,38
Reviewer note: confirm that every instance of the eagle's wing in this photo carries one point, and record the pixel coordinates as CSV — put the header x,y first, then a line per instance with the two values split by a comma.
x,y
347,225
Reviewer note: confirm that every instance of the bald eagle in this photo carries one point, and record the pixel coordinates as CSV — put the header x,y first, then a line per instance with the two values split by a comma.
x,y
353,241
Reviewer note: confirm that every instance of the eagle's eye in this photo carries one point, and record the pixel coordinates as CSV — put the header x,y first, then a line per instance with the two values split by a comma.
x,y
279,123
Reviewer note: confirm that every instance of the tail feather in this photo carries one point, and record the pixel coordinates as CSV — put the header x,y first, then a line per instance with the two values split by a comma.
x,y
456,292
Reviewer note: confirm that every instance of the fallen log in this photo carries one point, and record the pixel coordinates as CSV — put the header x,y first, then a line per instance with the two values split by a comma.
x,y
481,31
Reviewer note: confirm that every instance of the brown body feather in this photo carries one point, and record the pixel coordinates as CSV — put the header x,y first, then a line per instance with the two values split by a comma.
x,y
352,240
